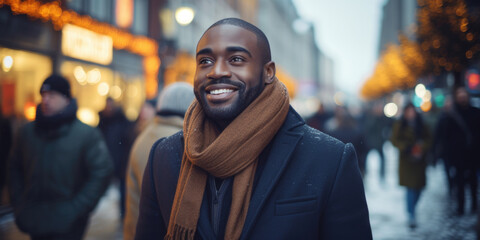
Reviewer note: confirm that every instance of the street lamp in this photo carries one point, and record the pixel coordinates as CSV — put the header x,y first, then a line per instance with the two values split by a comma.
x,y
184,15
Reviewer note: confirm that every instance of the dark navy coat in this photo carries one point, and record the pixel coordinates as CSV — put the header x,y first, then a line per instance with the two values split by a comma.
x,y
310,188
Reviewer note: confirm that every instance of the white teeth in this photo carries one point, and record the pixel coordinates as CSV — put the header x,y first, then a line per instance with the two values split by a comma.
x,y
220,91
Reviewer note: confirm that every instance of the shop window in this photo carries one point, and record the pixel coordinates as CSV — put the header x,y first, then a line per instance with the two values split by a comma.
x,y
92,85
21,75
76,5
100,10
130,94
140,17
124,13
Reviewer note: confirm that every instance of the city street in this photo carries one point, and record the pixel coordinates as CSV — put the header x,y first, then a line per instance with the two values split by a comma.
x,y
436,220
436,217
87,86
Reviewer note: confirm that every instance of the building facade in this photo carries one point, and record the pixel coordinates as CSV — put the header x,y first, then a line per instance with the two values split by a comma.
x,y
399,16
101,47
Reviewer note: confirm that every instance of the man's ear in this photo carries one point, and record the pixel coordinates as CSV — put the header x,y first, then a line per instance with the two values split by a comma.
x,y
269,72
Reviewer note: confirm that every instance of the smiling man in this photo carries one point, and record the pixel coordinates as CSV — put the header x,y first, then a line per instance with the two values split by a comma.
x,y
245,165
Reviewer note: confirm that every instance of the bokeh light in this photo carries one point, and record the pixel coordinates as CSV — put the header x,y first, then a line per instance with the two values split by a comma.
x,y
420,90
88,116
7,63
184,15
30,111
390,109
103,89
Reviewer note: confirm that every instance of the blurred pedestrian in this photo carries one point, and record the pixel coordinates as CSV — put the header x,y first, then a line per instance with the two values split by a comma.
x,y
346,129
246,165
463,139
413,139
146,115
60,168
6,141
172,104
119,134
378,128
319,118
441,144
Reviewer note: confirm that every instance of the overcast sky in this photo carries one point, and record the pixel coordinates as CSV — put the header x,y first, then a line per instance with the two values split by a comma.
x,y
347,31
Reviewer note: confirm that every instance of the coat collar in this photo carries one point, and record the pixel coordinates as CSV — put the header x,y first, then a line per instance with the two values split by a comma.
x,y
283,146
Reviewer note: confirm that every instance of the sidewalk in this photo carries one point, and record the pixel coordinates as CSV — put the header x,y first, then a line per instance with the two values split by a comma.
x,y
104,223
435,210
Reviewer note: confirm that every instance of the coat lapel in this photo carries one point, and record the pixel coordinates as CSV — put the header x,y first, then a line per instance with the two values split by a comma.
x,y
283,146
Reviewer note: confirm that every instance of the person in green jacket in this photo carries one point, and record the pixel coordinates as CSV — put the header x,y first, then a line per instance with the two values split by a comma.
x,y
59,168
413,139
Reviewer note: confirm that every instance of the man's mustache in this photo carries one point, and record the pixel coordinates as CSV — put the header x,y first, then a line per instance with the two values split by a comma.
x,y
226,81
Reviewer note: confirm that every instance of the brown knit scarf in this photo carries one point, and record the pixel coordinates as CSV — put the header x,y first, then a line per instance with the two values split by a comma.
x,y
233,152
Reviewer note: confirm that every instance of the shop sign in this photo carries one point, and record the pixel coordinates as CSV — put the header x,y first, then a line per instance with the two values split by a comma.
x,y
86,45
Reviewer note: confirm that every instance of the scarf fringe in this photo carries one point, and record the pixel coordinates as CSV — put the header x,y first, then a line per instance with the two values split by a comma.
x,y
180,233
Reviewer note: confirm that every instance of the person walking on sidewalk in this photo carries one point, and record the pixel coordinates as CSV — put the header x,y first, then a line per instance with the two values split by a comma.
x,y
462,136
413,139
246,166
59,169
118,133
377,129
172,104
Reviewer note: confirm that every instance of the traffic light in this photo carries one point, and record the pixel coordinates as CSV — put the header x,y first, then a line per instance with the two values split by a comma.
x,y
472,81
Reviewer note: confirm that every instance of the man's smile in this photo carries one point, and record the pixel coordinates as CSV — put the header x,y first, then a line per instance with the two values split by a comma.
x,y
218,93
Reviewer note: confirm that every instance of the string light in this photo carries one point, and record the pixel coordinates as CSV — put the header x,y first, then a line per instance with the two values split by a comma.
x,y
53,12
400,66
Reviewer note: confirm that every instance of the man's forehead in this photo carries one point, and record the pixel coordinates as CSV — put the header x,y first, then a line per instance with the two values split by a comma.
x,y
227,35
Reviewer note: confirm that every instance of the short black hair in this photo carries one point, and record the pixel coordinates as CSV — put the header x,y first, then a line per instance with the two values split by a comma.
x,y
262,40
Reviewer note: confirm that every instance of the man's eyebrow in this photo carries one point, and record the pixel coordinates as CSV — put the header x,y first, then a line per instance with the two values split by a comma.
x,y
204,51
229,49
238,49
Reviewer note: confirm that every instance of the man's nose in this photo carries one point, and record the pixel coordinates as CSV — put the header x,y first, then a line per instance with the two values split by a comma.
x,y
219,70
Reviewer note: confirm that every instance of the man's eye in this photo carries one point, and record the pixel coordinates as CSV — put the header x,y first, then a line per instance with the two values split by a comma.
x,y
236,59
205,61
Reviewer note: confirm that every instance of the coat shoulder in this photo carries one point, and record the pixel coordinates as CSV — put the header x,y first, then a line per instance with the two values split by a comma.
x,y
167,144
84,131
168,151
319,140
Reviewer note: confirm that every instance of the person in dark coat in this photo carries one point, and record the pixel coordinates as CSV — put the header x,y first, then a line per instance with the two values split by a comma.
x,y
119,135
6,140
59,169
462,135
412,138
377,129
440,143
246,166
346,129
319,118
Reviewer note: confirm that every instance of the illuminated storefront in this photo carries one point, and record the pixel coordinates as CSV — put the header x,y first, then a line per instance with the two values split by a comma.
x,y
21,76
98,59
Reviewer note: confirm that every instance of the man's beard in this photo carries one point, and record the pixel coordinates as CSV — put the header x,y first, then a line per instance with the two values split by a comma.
x,y
232,111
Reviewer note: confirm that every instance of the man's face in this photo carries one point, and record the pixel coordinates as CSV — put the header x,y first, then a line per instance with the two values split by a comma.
x,y
229,74
52,103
